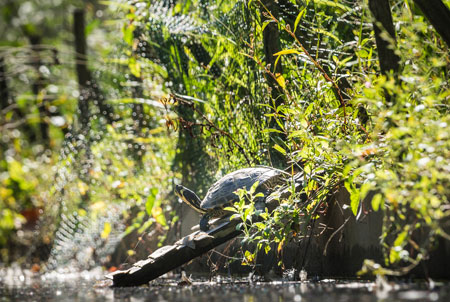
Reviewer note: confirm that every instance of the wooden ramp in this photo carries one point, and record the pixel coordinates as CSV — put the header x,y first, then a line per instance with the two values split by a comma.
x,y
170,257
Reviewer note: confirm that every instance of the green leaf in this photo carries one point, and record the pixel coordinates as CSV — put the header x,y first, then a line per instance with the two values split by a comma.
x,y
158,214
135,67
279,149
253,188
400,240
145,226
15,171
231,209
264,215
246,214
354,201
91,26
354,195
260,194
333,4
299,17
260,225
250,257
128,36
267,22
376,201
270,130
365,189
106,230
327,33
149,204
280,79
286,52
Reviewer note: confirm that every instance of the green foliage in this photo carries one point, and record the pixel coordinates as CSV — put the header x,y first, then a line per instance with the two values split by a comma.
x,y
322,108
75,168
352,135
264,229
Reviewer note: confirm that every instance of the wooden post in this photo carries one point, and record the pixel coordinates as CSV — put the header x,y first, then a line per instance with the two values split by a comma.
x,y
389,61
6,99
271,41
37,87
4,93
84,77
271,44
88,90
439,16
381,11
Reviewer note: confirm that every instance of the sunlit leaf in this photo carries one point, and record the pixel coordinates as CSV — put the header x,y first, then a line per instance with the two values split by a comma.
x,y
158,214
376,201
299,17
279,149
106,230
145,226
286,52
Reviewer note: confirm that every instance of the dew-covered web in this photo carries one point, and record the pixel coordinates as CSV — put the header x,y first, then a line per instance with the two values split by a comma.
x,y
81,243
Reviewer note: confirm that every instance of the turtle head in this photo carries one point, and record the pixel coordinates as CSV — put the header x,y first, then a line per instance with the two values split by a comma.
x,y
189,197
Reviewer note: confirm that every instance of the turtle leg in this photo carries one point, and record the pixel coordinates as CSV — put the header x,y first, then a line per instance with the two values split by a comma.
x,y
204,222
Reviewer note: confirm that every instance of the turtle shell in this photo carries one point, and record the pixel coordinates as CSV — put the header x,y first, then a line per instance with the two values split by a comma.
x,y
222,193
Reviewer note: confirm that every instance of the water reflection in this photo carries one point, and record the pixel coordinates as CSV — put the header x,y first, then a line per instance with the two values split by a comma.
x,y
84,289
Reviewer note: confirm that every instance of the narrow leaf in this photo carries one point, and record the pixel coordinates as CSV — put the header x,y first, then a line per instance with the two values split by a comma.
x,y
279,149
286,52
299,17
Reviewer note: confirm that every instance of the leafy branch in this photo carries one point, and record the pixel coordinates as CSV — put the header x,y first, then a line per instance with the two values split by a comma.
x,y
314,61
207,125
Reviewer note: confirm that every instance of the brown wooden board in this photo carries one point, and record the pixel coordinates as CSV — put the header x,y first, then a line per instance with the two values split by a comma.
x,y
170,257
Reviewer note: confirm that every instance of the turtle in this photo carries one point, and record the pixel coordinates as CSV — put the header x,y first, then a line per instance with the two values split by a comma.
x,y
222,193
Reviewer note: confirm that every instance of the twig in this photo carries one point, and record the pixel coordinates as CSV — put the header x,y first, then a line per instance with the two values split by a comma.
x,y
212,125
334,234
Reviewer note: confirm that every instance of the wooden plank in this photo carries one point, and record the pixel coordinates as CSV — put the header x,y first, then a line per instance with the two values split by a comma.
x,y
170,257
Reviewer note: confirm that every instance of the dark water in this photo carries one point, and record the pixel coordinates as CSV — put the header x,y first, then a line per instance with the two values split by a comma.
x,y
87,289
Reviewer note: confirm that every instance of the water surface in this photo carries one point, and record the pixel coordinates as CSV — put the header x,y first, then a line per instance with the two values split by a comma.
x,y
86,288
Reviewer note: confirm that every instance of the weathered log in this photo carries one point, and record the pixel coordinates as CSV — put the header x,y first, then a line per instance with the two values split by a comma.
x,y
169,257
